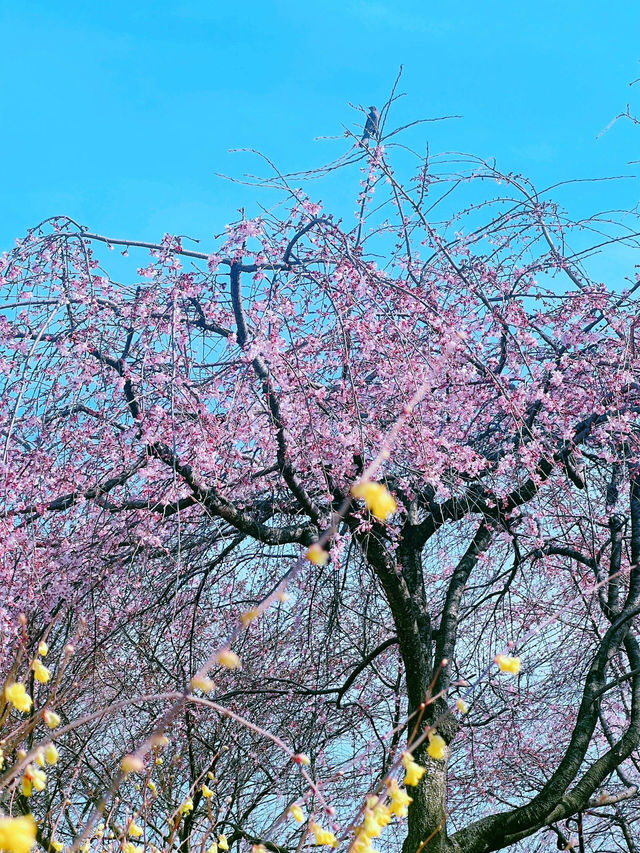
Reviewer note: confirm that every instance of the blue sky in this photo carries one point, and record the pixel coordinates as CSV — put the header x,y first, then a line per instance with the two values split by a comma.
x,y
120,113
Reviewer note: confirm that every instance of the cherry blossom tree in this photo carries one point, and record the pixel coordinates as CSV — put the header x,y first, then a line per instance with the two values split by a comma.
x,y
186,442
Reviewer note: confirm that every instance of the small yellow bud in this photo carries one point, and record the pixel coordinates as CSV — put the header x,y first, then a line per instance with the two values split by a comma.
x,y
39,759
206,792
43,649
228,659
51,719
223,844
151,785
160,740
56,845
462,706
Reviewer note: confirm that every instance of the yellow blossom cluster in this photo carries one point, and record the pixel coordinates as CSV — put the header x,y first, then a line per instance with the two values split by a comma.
x,y
322,836
228,659
437,747
377,814
40,671
17,695
317,555
201,682
131,764
17,834
296,813
187,806
413,771
135,831
508,663
379,500
51,719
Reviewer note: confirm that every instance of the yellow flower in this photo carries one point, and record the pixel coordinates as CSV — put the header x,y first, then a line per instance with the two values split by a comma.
x,y
317,555
131,764
51,753
213,848
38,778
17,834
18,696
371,825
130,847
206,792
40,671
56,845
508,663
248,617
223,844
228,659
377,498
201,682
151,785
437,747
33,778
323,836
400,800
296,813
39,759
187,806
51,719
462,706
413,772
134,830
43,649
160,741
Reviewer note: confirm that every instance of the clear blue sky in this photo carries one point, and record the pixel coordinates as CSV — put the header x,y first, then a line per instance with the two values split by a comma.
x,y
120,113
